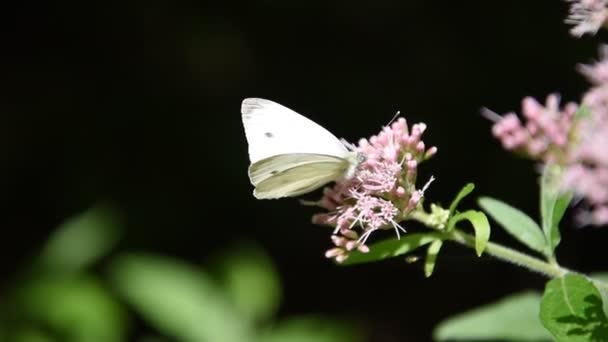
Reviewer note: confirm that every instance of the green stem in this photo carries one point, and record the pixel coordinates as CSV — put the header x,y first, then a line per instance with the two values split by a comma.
x,y
549,269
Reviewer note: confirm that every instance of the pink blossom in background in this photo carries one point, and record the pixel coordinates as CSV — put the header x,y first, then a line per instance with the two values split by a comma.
x,y
587,16
587,170
578,143
544,134
381,193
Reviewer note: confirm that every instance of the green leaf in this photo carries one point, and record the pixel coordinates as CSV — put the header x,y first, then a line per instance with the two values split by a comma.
x,y
308,329
251,281
553,204
514,318
77,307
480,225
80,241
431,257
600,280
467,189
516,223
391,248
177,299
571,309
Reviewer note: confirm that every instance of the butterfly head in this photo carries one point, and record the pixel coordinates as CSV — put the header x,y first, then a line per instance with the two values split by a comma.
x,y
355,159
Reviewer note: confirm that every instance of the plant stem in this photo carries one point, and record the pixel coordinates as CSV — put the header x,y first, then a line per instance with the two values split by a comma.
x,y
551,270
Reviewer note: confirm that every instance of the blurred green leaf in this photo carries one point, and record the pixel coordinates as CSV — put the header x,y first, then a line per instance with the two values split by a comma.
x,y
178,299
480,225
466,190
82,240
77,307
514,318
431,257
515,222
312,329
391,248
553,204
251,281
31,335
572,310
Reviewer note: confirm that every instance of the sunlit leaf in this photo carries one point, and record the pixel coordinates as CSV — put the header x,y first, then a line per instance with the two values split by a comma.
x,y
600,280
178,299
82,240
516,223
77,307
251,281
431,257
553,204
480,225
514,318
467,189
309,329
572,310
391,248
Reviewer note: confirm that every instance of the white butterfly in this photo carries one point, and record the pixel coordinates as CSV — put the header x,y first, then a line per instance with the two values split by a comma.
x,y
291,155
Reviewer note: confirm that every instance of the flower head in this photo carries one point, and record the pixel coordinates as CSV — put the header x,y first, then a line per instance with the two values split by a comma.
x,y
575,140
381,193
587,16
545,132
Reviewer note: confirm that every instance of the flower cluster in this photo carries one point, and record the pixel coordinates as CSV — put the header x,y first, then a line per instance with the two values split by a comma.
x,y
587,170
545,134
587,16
575,139
381,193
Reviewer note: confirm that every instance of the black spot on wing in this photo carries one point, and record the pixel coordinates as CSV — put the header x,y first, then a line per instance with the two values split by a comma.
x,y
269,135
274,172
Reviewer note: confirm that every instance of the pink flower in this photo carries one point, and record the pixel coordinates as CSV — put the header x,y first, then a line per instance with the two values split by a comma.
x,y
578,143
587,16
586,172
543,135
381,193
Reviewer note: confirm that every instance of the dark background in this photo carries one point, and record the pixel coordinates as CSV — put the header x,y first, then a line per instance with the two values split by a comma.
x,y
137,105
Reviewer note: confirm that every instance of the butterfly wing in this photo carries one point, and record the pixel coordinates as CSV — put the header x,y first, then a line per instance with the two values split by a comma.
x,y
293,175
272,129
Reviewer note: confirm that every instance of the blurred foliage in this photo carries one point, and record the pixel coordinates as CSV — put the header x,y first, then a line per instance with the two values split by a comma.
x,y
178,299
61,296
80,241
514,318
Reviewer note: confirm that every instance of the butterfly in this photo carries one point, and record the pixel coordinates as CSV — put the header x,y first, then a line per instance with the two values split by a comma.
x,y
290,154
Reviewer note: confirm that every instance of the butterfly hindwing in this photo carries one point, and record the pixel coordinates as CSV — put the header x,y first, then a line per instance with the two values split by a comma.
x,y
269,167
302,177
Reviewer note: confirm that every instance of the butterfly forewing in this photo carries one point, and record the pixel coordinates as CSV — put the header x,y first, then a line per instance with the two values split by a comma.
x,y
272,129
290,154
